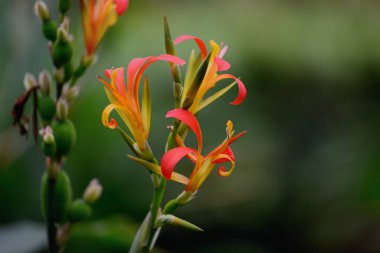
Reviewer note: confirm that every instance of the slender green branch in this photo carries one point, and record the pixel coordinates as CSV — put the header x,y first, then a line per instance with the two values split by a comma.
x,y
51,228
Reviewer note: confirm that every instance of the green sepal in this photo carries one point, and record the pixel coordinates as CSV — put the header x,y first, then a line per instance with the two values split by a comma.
x,y
49,149
195,83
130,142
62,52
49,29
61,196
170,207
173,220
169,46
65,136
46,108
79,211
64,6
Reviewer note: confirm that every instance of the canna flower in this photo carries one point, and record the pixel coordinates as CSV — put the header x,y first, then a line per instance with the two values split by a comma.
x,y
203,74
124,97
97,17
203,164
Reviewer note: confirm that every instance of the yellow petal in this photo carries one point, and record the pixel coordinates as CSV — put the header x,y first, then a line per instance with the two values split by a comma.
x,y
146,107
213,97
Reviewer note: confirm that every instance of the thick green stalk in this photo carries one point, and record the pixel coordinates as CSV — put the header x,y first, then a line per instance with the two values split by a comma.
x,y
51,229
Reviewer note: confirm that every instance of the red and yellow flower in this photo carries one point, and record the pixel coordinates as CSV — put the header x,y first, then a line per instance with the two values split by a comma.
x,y
203,74
124,97
203,164
97,17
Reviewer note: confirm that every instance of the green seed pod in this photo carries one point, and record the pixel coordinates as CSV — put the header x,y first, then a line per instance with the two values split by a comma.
x,y
46,108
64,6
49,149
61,53
79,211
65,136
49,29
61,196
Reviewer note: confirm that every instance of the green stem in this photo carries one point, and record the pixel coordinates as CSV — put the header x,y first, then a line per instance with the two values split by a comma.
x,y
51,229
156,203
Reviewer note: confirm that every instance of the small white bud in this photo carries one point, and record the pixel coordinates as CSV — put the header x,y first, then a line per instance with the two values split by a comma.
x,y
62,109
44,79
59,74
41,10
29,81
70,92
47,135
93,191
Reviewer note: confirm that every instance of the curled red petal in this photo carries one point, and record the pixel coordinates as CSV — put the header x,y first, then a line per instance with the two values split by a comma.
x,y
171,158
199,42
121,6
190,120
242,93
227,152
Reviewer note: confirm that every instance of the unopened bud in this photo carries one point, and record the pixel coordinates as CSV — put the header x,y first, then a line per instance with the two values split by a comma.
x,y
29,81
93,191
44,79
173,220
41,10
70,92
62,32
62,109
59,74
47,135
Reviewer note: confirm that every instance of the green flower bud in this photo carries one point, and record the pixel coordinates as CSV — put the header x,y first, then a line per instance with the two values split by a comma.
x,y
79,211
61,195
49,29
29,81
65,136
44,79
62,50
64,6
41,10
46,108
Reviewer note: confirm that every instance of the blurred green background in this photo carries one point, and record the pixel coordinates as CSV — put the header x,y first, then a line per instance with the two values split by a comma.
x,y
308,171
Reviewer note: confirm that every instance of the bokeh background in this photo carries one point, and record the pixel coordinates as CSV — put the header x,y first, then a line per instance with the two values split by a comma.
x,y
308,171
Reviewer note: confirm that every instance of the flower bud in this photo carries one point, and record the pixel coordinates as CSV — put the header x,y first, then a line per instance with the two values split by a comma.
x,y
64,6
29,81
70,92
173,220
62,109
62,50
44,79
49,29
68,71
48,145
46,108
92,192
59,74
41,10
65,136
47,135
79,211
62,196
